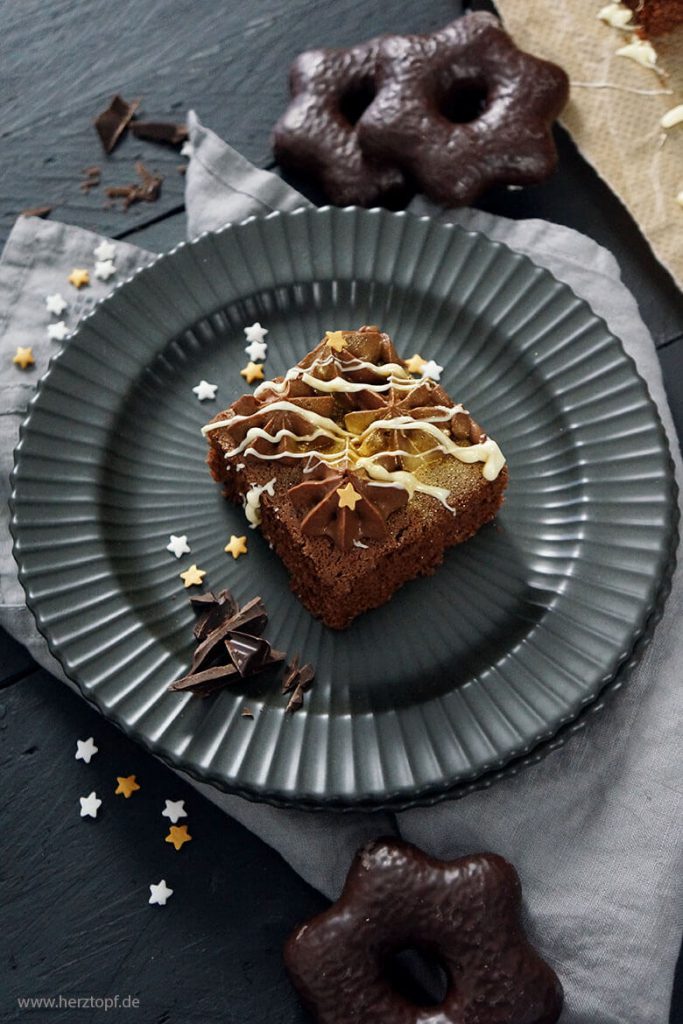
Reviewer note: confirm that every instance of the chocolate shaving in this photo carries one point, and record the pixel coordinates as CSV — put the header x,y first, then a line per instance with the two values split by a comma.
x,y
160,131
112,122
292,675
298,679
247,712
196,681
37,211
92,178
148,191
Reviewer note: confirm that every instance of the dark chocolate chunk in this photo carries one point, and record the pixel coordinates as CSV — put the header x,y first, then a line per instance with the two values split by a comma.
x,y
464,914
112,122
230,645
37,211
248,653
215,609
252,618
197,681
160,131
295,702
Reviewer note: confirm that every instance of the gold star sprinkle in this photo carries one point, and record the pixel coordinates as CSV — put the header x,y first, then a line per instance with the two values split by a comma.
x,y
415,364
23,357
193,576
252,372
335,340
237,546
348,497
178,835
79,277
126,785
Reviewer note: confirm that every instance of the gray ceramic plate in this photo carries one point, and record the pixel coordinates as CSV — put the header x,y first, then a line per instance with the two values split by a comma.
x,y
458,675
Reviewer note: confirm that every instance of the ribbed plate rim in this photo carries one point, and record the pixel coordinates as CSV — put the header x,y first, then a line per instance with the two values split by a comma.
x,y
446,788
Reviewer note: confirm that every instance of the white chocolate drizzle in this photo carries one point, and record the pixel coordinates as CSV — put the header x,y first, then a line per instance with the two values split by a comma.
x,y
343,447
617,16
672,117
252,501
642,52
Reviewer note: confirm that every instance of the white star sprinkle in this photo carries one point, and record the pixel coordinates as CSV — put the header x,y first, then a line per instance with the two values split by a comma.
x,y
256,350
204,390
255,332
174,810
188,149
58,331
90,805
85,749
55,304
105,251
432,370
160,893
104,269
178,545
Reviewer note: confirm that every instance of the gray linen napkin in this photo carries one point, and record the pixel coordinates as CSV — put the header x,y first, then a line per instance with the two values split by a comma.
x,y
594,830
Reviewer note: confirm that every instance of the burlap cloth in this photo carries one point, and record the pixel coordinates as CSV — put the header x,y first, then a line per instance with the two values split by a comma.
x,y
616,129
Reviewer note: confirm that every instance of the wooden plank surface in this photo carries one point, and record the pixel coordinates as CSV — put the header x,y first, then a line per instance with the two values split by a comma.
x,y
74,891
230,62
62,61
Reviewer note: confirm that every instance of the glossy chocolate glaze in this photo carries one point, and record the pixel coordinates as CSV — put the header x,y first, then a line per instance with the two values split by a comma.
x,y
463,109
317,133
463,912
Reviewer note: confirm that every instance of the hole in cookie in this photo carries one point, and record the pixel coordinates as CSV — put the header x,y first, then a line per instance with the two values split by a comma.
x,y
419,976
462,102
356,99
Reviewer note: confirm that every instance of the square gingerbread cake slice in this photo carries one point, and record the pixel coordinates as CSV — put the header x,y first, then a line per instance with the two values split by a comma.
x,y
359,473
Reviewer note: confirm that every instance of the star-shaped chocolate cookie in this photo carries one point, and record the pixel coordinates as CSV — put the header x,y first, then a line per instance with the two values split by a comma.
x,y
464,913
317,134
463,109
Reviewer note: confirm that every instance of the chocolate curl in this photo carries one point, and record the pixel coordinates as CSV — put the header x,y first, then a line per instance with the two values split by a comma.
x,y
298,680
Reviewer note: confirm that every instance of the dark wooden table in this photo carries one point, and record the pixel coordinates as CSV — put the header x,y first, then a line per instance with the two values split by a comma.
x,y
74,918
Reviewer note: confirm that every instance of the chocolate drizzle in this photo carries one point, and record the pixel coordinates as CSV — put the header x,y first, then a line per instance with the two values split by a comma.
x,y
418,404
354,413
256,412
318,499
